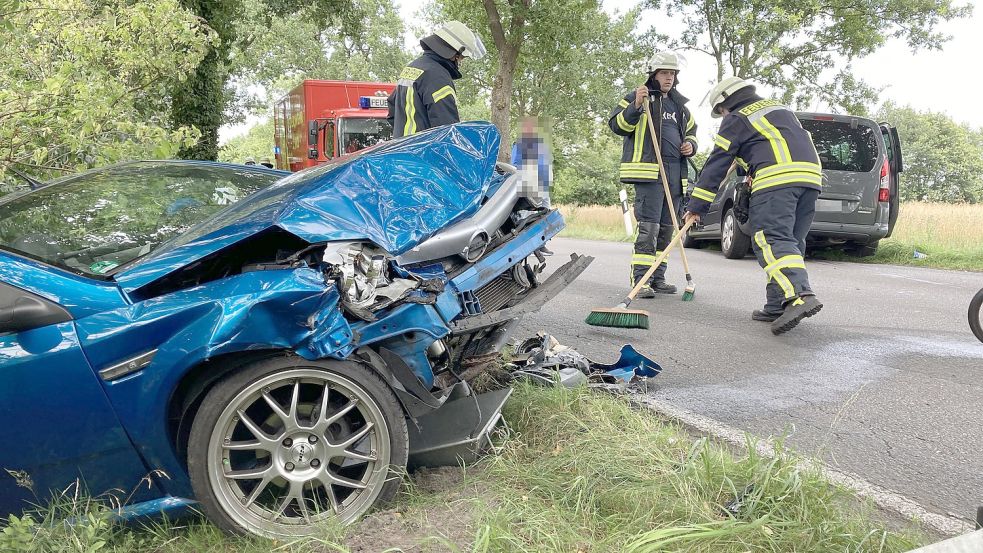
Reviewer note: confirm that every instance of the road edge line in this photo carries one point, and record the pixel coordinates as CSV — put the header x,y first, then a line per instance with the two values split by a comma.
x,y
882,497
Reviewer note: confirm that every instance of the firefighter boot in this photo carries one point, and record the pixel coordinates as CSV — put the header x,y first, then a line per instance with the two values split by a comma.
x,y
764,316
646,292
798,309
663,287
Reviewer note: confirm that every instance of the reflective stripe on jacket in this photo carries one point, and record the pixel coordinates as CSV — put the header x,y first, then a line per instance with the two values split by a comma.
x,y
424,98
768,143
638,161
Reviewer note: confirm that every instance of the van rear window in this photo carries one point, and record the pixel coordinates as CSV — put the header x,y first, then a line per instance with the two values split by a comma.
x,y
842,148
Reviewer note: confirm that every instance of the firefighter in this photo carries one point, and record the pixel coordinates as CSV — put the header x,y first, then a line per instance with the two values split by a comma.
x,y
676,130
777,154
425,96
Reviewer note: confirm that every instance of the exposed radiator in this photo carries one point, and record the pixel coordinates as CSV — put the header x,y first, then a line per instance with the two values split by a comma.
x,y
497,293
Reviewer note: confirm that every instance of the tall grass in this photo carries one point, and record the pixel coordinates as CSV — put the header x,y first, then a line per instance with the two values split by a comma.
x,y
950,235
589,473
582,472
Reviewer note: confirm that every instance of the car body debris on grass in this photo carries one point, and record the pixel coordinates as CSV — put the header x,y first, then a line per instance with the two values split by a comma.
x,y
543,360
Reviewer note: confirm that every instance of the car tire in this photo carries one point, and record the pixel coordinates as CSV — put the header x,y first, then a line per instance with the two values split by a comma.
x,y
733,242
285,443
975,312
692,243
862,250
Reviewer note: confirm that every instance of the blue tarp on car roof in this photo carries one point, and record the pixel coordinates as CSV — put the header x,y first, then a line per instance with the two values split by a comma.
x,y
395,195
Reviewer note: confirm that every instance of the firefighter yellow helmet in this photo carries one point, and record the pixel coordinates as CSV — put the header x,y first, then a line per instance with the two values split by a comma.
x,y
723,90
457,39
664,60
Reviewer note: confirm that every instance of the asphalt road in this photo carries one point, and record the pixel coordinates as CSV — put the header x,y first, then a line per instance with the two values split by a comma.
x,y
885,383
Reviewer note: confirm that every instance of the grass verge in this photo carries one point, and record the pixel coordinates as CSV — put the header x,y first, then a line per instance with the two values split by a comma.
x,y
582,472
947,234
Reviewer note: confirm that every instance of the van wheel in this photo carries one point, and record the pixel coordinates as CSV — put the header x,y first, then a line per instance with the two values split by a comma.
x,y
692,243
862,250
733,242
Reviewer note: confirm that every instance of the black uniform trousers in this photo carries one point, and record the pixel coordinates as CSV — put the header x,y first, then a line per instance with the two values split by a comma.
x,y
781,219
654,222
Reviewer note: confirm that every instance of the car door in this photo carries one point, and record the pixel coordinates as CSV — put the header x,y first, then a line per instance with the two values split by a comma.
x,y
896,163
58,426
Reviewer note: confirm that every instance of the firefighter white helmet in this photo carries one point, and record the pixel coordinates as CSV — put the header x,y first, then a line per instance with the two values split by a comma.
x,y
723,90
460,40
665,60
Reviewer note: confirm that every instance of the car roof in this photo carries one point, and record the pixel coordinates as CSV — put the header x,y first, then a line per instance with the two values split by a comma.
x,y
838,117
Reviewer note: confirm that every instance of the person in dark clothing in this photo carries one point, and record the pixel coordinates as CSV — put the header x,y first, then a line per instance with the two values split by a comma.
x,y
770,146
425,95
676,131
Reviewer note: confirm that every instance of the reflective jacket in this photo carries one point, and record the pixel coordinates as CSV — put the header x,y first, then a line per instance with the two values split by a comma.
x,y
424,98
638,161
768,143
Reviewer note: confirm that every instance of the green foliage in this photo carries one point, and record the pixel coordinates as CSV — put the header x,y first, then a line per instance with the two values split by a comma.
x,y
257,143
574,62
199,100
204,100
85,82
588,175
943,160
277,52
792,44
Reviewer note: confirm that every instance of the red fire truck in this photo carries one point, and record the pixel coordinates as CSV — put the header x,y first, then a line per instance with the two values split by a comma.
x,y
320,121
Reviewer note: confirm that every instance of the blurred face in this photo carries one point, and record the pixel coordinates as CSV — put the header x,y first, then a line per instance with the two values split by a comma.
x,y
529,126
666,78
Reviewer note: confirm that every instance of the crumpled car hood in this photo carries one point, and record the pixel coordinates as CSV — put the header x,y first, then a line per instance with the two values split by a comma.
x,y
396,195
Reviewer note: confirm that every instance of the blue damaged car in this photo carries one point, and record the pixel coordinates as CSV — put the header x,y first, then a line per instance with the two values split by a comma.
x,y
275,348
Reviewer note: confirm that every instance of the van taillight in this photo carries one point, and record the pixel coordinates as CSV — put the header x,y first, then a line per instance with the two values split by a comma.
x,y
884,194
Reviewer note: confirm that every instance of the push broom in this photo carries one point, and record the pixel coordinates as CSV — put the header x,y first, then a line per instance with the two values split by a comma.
x,y
690,290
620,316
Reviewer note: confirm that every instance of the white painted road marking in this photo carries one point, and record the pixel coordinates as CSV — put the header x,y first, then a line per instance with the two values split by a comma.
x,y
885,499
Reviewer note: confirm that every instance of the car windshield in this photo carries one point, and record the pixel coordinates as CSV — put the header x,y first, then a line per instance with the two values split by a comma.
x,y
360,133
842,148
97,221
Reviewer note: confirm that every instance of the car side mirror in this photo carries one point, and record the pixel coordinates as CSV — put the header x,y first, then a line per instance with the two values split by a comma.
x,y
27,313
312,134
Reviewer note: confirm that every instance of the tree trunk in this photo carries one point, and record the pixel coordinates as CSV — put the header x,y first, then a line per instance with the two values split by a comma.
x,y
508,45
501,100
200,100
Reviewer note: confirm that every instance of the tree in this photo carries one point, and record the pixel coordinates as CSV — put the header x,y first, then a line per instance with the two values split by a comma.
x,y
566,60
591,176
274,54
792,44
202,100
257,143
943,160
85,82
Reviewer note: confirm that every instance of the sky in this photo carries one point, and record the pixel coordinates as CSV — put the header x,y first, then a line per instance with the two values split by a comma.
x,y
950,80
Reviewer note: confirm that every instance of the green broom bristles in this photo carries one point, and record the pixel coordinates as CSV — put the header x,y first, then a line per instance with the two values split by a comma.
x,y
690,290
618,318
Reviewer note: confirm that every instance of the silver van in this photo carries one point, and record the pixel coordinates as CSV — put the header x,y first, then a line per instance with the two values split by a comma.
x,y
859,203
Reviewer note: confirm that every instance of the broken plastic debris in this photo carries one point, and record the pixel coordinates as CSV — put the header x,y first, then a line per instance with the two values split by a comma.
x,y
545,361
